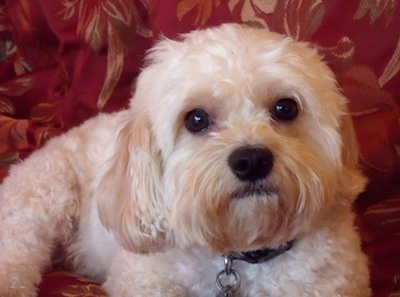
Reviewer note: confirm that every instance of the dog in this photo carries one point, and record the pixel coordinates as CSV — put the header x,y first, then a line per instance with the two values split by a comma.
x,y
232,173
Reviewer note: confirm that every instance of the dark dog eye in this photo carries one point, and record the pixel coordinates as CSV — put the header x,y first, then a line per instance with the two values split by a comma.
x,y
285,109
197,120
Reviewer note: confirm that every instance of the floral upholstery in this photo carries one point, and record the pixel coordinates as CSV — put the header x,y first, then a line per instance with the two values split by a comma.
x,y
61,283
63,61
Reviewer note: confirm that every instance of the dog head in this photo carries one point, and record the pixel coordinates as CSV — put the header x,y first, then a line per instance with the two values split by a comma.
x,y
236,139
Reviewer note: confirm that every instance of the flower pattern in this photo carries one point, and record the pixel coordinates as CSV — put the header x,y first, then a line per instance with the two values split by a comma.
x,y
105,23
64,284
203,9
375,8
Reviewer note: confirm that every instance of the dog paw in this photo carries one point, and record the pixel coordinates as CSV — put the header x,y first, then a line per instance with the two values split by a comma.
x,y
24,292
13,287
155,290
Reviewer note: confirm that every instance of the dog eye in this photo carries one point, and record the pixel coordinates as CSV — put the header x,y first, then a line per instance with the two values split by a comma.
x,y
197,120
285,109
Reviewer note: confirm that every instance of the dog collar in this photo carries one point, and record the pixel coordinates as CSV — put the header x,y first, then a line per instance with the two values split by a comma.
x,y
231,285
260,256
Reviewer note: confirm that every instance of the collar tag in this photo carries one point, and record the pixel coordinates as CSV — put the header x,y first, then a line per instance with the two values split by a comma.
x,y
228,280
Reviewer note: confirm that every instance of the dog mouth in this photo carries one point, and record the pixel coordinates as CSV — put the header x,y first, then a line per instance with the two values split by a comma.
x,y
252,191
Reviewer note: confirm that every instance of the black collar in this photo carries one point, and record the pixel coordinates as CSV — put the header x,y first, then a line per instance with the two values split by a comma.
x,y
260,256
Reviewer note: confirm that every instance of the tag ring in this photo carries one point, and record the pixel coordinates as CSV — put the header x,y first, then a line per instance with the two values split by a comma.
x,y
233,286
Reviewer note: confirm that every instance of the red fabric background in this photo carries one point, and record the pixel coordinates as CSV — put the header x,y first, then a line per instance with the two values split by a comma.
x,y
64,61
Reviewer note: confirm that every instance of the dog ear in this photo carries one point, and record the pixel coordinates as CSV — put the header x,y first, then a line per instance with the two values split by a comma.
x,y
129,192
351,182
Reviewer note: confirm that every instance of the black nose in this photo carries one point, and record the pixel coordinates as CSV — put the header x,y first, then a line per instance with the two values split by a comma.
x,y
251,163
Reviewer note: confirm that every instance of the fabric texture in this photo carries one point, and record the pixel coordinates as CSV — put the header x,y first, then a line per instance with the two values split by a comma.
x,y
63,61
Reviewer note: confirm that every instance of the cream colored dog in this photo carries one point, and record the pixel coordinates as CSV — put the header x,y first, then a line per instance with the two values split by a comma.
x,y
232,172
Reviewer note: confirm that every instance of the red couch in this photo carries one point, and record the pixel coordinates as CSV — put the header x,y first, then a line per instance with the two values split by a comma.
x,y
63,61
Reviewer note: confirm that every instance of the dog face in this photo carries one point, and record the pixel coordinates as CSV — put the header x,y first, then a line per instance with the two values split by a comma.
x,y
236,139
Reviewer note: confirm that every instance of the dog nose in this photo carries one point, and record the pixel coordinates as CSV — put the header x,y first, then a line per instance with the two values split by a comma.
x,y
251,163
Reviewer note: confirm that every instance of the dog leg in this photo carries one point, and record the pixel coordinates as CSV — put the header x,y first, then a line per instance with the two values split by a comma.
x,y
37,203
134,275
